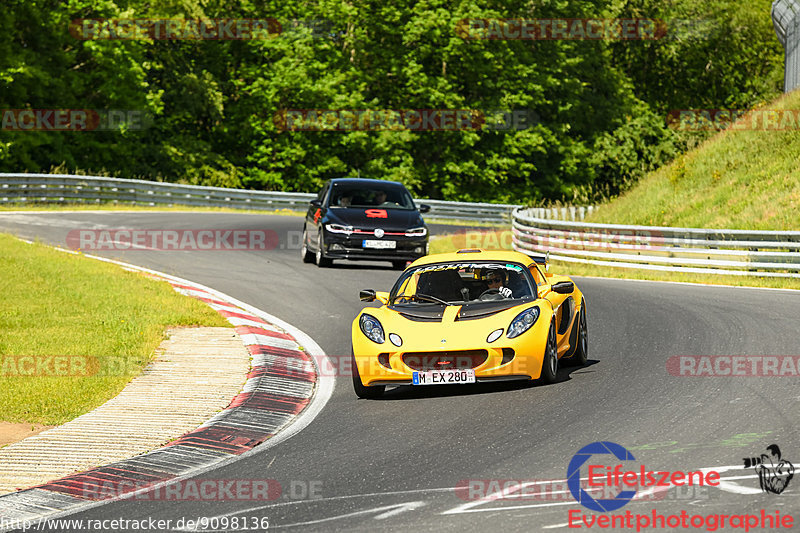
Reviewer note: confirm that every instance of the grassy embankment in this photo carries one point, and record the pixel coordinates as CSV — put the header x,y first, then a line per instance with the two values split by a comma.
x,y
739,178
100,324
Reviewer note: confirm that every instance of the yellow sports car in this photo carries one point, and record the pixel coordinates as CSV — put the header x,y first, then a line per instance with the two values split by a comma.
x,y
466,317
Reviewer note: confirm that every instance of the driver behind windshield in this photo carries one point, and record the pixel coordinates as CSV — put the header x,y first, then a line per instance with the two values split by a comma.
x,y
496,279
380,197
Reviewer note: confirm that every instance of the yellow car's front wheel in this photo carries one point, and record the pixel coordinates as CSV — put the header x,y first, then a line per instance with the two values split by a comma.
x,y
550,359
362,391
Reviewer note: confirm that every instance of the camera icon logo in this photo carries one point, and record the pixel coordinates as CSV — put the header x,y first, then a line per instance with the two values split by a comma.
x,y
774,472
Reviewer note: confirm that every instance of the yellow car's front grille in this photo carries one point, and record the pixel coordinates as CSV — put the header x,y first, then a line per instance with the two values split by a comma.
x,y
452,360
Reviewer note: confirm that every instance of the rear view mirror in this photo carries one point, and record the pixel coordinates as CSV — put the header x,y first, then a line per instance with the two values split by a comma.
x,y
564,287
367,295
315,203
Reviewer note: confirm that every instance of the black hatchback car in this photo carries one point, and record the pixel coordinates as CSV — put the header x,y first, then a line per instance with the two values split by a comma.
x,y
364,219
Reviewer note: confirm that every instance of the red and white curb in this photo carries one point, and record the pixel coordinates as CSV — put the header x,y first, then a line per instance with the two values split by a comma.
x,y
284,392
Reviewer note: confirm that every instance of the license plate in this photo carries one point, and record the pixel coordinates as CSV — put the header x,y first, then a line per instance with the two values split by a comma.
x,y
443,377
379,244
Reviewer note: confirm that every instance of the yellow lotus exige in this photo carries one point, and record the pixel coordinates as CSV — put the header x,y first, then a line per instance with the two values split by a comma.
x,y
466,317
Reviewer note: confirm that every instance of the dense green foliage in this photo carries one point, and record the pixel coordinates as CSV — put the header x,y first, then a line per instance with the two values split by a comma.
x,y
601,104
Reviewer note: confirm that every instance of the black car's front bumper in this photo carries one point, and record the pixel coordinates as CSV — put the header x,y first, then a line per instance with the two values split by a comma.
x,y
342,246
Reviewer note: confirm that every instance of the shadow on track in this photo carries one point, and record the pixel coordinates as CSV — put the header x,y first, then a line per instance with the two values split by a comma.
x,y
343,264
409,392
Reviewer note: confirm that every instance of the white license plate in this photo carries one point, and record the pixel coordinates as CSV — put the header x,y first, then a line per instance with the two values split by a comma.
x,y
379,244
443,377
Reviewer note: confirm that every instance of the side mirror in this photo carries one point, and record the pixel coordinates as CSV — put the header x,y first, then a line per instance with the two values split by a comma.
x,y
424,208
367,295
563,287
315,203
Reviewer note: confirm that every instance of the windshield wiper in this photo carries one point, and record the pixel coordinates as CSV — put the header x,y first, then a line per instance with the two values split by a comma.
x,y
431,298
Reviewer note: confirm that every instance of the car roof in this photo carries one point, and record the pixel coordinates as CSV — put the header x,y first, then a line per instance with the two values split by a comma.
x,y
468,255
364,181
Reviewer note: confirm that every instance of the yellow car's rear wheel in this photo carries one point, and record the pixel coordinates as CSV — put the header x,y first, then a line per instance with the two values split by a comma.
x,y
582,353
578,354
362,391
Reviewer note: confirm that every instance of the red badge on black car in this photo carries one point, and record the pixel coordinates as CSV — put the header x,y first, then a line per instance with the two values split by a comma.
x,y
376,213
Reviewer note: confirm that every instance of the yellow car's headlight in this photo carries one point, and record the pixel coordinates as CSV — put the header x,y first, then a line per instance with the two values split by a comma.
x,y
371,327
523,322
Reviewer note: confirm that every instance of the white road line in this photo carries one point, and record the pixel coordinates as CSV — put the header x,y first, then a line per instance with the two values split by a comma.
x,y
555,526
333,498
692,284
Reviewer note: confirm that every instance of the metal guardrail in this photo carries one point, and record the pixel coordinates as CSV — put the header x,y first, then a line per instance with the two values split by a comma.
x,y
63,188
69,189
786,20
704,251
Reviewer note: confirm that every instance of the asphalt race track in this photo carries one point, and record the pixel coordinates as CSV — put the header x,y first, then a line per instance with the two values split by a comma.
x,y
394,464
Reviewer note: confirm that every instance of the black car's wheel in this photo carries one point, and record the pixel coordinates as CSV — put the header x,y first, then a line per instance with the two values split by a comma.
x,y
321,260
582,352
550,361
399,265
305,253
368,393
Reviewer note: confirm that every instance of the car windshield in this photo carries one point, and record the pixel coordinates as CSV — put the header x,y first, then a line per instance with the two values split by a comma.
x,y
460,283
391,197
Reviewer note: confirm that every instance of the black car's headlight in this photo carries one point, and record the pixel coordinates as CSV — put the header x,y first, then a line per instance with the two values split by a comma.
x,y
417,232
371,328
339,228
523,322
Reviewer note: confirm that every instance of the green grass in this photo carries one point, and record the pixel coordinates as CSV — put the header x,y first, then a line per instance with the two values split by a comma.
x,y
58,304
501,240
736,179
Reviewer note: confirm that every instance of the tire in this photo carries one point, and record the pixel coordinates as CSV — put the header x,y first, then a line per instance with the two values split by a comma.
x,y
362,391
305,253
582,352
319,257
578,354
550,360
399,265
